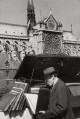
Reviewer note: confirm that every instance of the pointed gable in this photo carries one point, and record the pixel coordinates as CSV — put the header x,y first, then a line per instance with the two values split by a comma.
x,y
51,23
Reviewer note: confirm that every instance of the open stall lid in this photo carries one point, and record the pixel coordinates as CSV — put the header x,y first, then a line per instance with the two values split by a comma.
x,y
32,67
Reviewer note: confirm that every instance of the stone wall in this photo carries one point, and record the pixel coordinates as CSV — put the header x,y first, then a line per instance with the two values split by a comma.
x,y
52,43
71,49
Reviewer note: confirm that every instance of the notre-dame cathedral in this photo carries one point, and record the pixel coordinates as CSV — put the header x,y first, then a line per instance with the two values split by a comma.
x,y
43,37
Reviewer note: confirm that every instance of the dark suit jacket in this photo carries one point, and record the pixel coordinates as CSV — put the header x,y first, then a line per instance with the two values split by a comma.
x,y
59,104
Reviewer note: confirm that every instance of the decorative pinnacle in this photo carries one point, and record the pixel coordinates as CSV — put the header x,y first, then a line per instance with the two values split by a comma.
x,y
71,28
50,11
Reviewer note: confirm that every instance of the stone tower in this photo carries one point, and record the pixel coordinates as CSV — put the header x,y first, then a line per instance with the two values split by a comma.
x,y
31,14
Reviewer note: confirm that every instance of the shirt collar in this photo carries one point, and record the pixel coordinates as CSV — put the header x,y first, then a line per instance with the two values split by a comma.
x,y
55,80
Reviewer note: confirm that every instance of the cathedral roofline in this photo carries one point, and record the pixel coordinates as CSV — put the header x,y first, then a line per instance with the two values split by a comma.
x,y
71,42
13,24
55,31
14,36
67,31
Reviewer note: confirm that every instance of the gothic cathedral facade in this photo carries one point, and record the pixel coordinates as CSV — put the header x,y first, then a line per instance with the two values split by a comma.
x,y
43,37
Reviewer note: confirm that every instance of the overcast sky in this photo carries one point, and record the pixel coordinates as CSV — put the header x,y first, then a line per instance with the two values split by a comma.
x,y
66,11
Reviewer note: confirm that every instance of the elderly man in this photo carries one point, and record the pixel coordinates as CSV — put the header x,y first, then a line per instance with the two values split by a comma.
x,y
59,102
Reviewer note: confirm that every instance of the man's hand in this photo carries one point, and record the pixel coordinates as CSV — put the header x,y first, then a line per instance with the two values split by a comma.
x,y
43,112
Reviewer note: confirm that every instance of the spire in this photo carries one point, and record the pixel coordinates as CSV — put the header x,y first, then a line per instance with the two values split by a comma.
x,y
31,13
30,2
